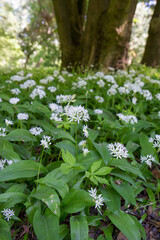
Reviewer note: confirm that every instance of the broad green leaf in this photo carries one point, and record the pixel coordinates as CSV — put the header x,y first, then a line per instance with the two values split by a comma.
x,y
95,166
46,226
57,180
76,200
126,225
111,198
63,231
21,135
126,166
12,198
126,191
139,225
65,168
7,107
21,169
79,228
68,157
7,151
4,230
121,174
108,232
67,145
103,171
146,146
48,196
37,107
103,151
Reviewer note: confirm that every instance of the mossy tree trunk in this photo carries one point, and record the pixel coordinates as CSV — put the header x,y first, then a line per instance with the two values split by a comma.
x,y
97,36
151,55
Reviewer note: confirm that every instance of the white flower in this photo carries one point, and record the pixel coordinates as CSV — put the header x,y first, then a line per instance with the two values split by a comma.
x,y
38,91
61,79
147,94
36,131
56,108
9,162
148,160
2,132
46,141
85,151
99,99
1,165
155,141
158,96
85,131
118,150
22,116
0,100
15,91
28,84
97,199
52,89
63,98
56,117
14,100
8,213
134,100
29,75
128,118
76,113
159,114
98,111
82,143
55,73
17,78
8,122
101,83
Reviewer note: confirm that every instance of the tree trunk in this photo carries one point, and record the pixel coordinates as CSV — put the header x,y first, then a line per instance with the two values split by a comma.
x,y
70,19
113,38
101,39
151,55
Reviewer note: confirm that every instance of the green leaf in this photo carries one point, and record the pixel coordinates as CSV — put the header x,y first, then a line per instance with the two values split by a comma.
x,y
4,230
76,200
21,169
111,198
7,107
126,225
141,229
67,145
37,107
12,198
79,228
48,196
126,166
103,171
65,168
146,146
46,226
126,191
63,231
103,151
20,135
6,151
68,157
95,166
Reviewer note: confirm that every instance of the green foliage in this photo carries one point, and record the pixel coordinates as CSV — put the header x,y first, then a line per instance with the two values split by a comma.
x,y
69,179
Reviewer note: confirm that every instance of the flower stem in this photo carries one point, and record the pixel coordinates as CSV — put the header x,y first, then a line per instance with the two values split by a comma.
x,y
39,165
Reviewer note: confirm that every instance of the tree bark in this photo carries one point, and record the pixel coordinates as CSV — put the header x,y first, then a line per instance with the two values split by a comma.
x,y
100,39
70,19
151,55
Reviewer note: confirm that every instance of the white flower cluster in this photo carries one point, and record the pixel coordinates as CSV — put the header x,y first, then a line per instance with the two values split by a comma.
x,y
147,94
52,89
22,116
2,132
38,91
47,80
158,96
99,99
4,163
148,160
61,79
15,91
118,150
76,113
63,98
14,100
98,199
0,100
57,111
80,84
134,100
128,118
101,83
46,141
85,131
112,90
8,213
8,122
17,78
28,84
98,111
155,140
36,131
